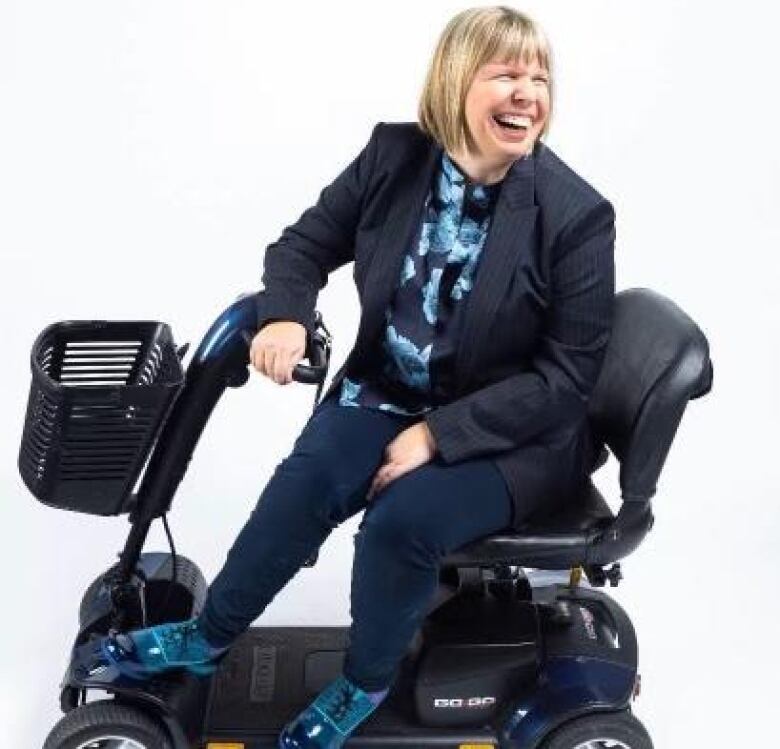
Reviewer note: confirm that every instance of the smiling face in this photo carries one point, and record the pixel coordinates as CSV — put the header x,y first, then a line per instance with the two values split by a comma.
x,y
519,89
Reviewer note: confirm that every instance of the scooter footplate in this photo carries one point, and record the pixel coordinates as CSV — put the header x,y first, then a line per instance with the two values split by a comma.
x,y
272,673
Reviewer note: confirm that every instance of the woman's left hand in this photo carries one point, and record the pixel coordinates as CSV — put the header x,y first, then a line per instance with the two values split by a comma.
x,y
410,449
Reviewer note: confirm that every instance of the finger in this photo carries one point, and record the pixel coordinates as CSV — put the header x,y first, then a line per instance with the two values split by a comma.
x,y
291,364
260,360
280,369
375,488
252,357
394,472
383,477
291,360
268,362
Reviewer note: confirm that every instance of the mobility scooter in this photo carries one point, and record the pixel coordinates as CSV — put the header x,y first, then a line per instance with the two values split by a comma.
x,y
519,650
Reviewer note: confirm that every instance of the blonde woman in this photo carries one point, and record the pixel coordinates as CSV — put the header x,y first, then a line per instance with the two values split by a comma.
x,y
484,267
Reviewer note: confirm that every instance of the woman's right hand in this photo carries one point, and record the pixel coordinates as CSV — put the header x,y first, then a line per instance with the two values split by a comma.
x,y
277,348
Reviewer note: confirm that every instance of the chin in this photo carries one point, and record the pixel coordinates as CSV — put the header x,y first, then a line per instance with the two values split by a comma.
x,y
516,150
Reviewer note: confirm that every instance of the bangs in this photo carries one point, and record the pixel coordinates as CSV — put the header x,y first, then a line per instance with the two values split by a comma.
x,y
516,40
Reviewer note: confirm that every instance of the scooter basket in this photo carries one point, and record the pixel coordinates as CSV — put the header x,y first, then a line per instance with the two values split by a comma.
x,y
100,392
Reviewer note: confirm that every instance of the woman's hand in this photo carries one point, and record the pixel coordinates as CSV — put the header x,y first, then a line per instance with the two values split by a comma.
x,y
277,348
410,449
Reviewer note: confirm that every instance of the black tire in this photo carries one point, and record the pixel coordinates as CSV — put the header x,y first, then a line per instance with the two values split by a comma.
x,y
106,718
609,727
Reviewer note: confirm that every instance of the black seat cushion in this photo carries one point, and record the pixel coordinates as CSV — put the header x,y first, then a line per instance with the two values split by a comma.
x,y
552,540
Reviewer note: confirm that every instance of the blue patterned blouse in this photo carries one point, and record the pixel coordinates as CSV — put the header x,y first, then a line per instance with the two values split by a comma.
x,y
421,322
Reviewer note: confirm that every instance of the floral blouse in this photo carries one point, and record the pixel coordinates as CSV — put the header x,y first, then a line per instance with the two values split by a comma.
x,y
416,356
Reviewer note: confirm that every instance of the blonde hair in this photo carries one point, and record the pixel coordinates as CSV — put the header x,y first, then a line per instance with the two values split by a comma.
x,y
472,38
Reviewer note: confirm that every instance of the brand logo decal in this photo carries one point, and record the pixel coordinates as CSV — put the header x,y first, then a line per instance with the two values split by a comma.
x,y
464,702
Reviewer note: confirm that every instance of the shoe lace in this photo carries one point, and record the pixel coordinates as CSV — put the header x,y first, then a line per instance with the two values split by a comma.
x,y
340,702
176,640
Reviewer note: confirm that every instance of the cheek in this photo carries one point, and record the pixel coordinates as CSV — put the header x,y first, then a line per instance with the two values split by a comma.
x,y
480,120
483,102
545,114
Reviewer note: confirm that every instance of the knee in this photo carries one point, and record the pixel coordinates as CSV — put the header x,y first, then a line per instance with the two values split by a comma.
x,y
313,486
402,524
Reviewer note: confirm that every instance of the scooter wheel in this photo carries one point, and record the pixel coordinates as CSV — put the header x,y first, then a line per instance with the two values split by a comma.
x,y
600,731
107,724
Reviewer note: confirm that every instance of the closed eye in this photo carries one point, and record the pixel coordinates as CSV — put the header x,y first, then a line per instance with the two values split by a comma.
x,y
542,78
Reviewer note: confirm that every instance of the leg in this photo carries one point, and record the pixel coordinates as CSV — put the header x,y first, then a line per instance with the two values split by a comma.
x,y
412,524
322,483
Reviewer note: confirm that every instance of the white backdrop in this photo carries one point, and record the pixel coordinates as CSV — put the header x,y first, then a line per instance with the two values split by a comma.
x,y
149,152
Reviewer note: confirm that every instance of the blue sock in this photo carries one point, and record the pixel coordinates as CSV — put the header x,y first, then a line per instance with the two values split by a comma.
x,y
377,697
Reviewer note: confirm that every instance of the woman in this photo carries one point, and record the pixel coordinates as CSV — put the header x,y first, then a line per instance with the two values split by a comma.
x,y
484,267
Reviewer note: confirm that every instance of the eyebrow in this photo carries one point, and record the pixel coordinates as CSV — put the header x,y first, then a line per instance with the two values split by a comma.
x,y
512,66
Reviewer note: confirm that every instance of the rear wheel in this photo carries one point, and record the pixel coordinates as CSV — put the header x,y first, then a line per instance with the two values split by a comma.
x,y
107,724
600,731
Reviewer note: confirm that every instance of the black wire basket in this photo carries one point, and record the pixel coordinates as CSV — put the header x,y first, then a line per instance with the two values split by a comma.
x,y
100,392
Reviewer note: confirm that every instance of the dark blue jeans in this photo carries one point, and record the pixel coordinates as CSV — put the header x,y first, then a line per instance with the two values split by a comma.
x,y
406,529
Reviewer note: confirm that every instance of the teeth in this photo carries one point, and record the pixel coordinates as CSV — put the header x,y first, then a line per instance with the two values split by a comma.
x,y
513,119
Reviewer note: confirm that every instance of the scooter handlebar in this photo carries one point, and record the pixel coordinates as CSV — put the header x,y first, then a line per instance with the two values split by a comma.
x,y
316,352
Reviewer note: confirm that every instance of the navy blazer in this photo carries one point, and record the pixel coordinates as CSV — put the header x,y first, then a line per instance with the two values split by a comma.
x,y
536,323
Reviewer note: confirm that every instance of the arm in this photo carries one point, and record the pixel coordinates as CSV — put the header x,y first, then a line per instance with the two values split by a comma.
x,y
555,389
297,265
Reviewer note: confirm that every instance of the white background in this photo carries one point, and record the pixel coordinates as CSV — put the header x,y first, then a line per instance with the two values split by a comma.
x,y
149,152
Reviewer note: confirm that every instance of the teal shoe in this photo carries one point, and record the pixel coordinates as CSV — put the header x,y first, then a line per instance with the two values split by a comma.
x,y
146,652
330,720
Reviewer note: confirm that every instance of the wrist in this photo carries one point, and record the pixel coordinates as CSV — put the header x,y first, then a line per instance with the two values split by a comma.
x,y
429,438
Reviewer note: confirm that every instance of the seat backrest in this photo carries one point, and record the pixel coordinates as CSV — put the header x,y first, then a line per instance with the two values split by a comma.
x,y
656,361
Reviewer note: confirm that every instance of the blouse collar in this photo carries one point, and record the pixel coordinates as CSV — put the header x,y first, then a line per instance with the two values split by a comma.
x,y
455,187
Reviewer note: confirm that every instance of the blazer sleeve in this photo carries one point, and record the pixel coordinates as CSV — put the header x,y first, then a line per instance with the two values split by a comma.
x,y
555,388
297,265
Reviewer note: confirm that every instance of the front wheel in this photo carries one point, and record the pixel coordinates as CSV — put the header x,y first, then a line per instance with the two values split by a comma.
x,y
600,731
107,724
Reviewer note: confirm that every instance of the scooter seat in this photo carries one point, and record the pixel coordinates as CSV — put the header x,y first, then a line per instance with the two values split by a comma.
x,y
657,360
550,540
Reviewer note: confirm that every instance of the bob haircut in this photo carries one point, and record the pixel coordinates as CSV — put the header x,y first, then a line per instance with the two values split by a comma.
x,y
472,38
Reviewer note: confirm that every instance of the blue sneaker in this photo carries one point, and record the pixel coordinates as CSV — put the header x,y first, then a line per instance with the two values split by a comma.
x,y
330,720
145,652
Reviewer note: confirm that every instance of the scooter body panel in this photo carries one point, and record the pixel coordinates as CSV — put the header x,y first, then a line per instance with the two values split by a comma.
x,y
589,665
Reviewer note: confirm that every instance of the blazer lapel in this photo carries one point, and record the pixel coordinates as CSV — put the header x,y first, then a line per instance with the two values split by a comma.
x,y
403,220
510,235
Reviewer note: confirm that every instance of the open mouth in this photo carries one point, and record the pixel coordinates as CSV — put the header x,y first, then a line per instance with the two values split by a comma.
x,y
517,124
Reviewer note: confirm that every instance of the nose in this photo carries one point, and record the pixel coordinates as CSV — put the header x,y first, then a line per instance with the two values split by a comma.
x,y
524,89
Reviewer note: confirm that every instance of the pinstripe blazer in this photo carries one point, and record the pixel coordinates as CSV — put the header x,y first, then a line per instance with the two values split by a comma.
x,y
536,323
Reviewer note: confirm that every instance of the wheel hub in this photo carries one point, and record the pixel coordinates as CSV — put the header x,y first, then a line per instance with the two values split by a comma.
x,y
111,742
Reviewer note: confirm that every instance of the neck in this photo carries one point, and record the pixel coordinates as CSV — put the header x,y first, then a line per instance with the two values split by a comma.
x,y
480,170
